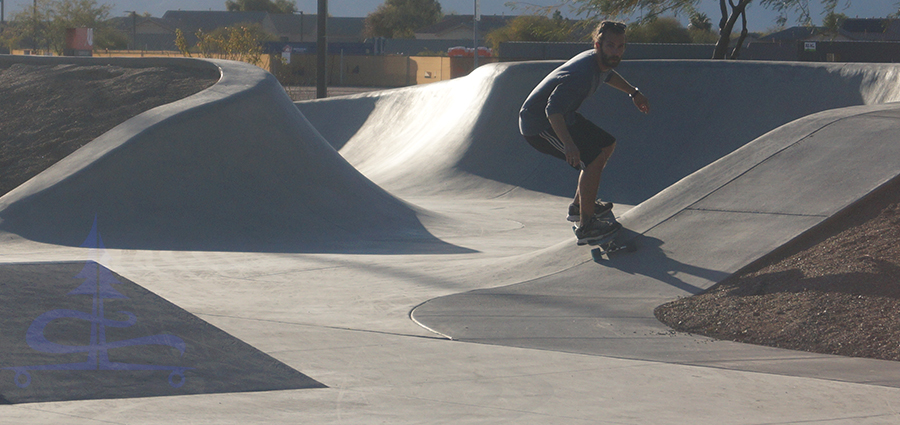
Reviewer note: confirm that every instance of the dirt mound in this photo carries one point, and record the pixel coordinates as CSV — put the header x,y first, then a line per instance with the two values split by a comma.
x,y
49,111
833,291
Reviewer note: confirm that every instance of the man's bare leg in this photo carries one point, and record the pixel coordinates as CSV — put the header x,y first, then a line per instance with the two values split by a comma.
x,y
589,183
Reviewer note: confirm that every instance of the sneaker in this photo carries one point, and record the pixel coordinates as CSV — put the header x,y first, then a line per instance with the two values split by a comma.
x,y
600,209
596,229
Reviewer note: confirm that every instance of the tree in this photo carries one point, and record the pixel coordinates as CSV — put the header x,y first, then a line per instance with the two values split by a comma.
x,y
660,30
10,36
833,21
699,21
43,24
726,26
28,26
401,18
181,43
277,6
700,29
648,9
241,42
84,14
732,11
802,8
531,28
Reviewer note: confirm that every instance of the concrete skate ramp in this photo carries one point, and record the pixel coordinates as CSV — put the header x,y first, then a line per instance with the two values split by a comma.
x,y
234,167
460,138
705,226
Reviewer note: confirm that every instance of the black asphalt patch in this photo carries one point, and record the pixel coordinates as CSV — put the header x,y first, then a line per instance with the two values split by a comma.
x,y
78,331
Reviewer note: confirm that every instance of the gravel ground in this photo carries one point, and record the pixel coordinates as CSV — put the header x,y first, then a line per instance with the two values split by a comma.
x,y
51,111
833,291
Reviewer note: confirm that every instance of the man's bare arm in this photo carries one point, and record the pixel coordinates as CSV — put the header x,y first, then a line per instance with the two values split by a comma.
x,y
640,101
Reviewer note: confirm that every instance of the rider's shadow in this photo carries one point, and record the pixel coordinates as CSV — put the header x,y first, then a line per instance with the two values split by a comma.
x,y
650,260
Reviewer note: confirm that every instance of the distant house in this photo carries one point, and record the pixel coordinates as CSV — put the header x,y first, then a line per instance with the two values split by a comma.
x,y
208,21
794,34
159,33
344,30
851,30
857,40
146,33
294,27
871,29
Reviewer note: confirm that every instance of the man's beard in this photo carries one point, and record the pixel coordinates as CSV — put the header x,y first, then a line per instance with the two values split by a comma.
x,y
609,61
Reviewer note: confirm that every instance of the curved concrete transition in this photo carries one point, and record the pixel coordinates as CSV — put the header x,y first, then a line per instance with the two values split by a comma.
x,y
735,160
234,167
406,251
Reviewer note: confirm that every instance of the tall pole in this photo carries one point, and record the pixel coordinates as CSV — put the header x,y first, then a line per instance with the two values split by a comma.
x,y
133,29
35,28
477,17
322,50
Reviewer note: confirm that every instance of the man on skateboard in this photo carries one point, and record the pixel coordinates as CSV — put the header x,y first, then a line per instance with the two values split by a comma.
x,y
551,124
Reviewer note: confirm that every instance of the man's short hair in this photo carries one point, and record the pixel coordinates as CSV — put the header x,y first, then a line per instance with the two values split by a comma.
x,y
613,27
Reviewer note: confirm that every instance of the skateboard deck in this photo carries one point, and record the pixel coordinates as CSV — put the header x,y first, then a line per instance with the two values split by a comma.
x,y
611,243
608,245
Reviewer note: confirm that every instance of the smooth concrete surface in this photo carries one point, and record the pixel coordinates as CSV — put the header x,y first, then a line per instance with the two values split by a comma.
x,y
426,274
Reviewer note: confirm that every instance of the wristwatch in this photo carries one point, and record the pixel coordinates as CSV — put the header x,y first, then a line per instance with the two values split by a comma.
x,y
636,91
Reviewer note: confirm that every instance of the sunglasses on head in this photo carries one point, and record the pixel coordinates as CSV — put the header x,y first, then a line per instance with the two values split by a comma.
x,y
616,26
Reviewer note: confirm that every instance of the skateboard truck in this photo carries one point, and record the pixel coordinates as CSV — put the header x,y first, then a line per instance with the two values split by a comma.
x,y
610,244
603,249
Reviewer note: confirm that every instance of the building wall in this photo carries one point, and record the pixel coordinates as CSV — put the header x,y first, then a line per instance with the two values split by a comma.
x,y
456,33
522,50
825,51
374,71
379,71
430,69
412,47
849,51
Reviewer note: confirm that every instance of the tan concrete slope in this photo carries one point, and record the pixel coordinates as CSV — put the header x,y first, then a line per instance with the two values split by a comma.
x,y
234,167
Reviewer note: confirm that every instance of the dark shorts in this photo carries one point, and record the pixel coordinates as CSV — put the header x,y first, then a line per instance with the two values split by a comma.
x,y
589,138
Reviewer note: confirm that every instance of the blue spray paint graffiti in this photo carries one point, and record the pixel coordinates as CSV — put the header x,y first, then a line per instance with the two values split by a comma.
x,y
98,283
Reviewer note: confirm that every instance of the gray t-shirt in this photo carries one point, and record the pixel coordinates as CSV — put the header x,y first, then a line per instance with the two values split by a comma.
x,y
562,91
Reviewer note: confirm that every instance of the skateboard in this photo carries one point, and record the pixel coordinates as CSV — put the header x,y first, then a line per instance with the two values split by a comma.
x,y
610,243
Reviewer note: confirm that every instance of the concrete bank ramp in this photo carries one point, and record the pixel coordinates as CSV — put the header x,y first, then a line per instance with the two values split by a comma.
x,y
234,167
735,160
702,228
460,137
